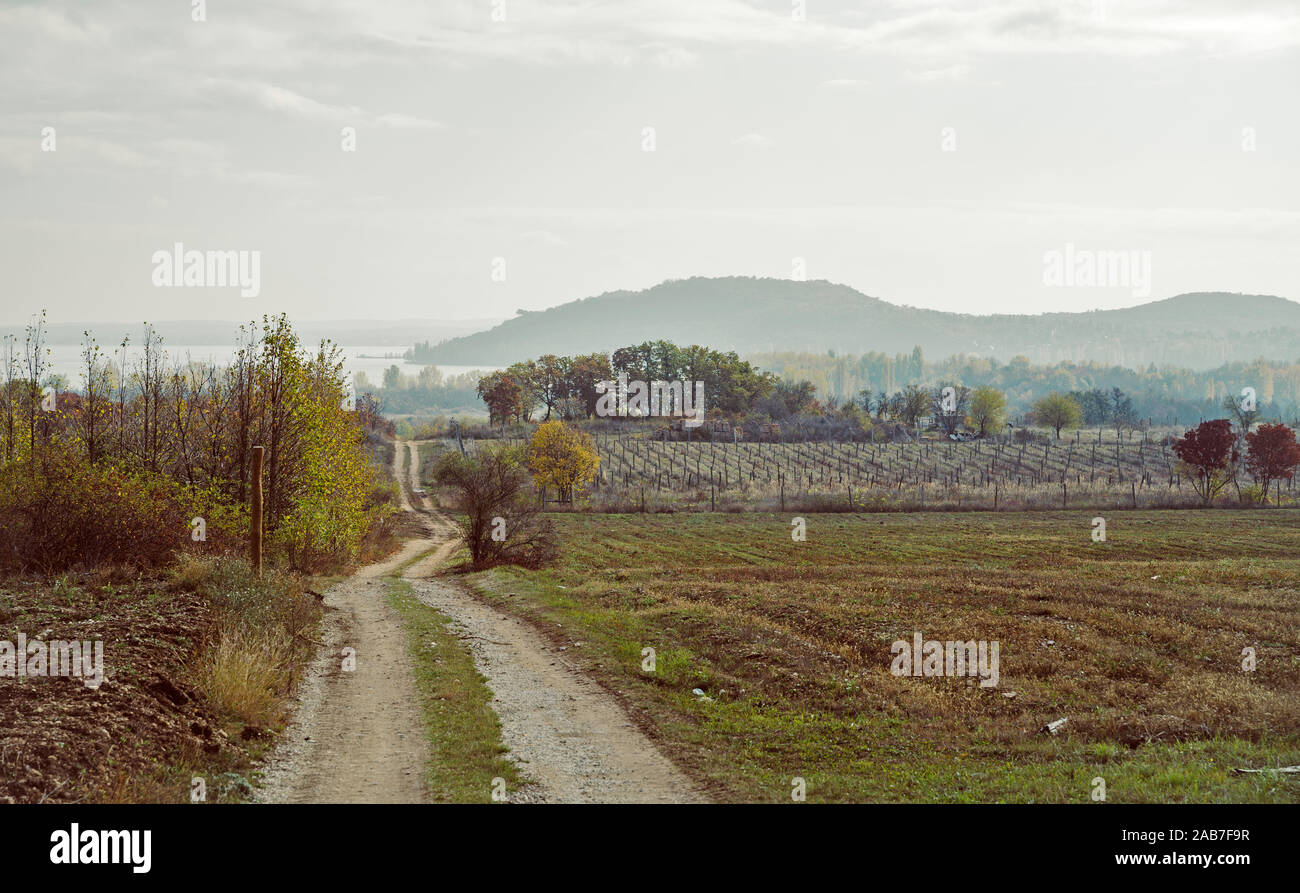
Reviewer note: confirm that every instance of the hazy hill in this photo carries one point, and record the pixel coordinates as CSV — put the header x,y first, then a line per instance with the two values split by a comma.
x,y
749,315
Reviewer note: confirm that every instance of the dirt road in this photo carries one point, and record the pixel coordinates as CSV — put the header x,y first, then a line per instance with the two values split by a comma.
x,y
357,736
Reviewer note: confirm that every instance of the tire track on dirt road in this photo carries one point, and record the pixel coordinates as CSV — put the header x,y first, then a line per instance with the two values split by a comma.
x,y
569,736
358,737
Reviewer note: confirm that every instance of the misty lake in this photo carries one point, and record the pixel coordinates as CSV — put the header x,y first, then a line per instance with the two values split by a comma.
x,y
65,359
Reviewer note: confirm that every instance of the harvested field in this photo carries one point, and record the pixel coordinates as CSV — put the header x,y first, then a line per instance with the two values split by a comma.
x,y
1137,641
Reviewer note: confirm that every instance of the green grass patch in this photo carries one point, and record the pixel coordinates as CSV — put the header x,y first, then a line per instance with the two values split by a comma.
x,y
464,734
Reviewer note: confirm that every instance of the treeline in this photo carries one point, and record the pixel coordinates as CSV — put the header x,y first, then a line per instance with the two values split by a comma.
x,y
568,386
139,462
738,392
955,398
426,391
1161,395
753,400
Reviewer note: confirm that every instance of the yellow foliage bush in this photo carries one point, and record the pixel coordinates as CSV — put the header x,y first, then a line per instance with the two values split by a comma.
x,y
563,458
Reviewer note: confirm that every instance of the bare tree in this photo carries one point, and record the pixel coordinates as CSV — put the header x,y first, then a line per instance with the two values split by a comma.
x,y
10,403
95,378
36,358
949,405
502,524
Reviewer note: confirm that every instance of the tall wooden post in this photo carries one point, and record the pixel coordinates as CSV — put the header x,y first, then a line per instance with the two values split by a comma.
x,y
255,521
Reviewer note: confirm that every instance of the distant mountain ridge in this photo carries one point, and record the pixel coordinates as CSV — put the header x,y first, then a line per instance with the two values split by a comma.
x,y
748,315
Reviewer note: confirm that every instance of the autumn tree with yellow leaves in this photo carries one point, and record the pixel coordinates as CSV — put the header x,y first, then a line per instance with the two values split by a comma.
x,y
563,458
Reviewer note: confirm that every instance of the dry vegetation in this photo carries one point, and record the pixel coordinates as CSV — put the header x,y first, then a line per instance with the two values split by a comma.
x,y
1137,641
124,521
198,662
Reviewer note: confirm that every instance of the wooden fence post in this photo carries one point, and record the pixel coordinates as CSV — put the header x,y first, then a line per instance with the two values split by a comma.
x,y
255,521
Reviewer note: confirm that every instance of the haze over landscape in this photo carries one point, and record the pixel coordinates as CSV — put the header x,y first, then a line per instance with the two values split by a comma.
x,y
748,316
757,316
648,401
927,153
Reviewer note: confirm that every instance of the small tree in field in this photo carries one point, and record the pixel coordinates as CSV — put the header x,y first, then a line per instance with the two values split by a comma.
x,y
988,410
1272,454
1058,411
949,405
502,524
913,402
503,396
1242,412
1208,451
562,458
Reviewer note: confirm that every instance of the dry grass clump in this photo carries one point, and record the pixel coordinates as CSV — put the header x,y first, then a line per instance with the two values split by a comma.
x,y
244,673
258,639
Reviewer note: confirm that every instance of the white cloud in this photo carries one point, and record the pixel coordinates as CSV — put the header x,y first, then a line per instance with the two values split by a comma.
x,y
281,100
545,237
953,74
50,23
665,31
236,122
753,141
407,122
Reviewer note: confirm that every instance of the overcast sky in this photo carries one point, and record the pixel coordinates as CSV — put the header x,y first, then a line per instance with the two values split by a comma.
x,y
922,151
